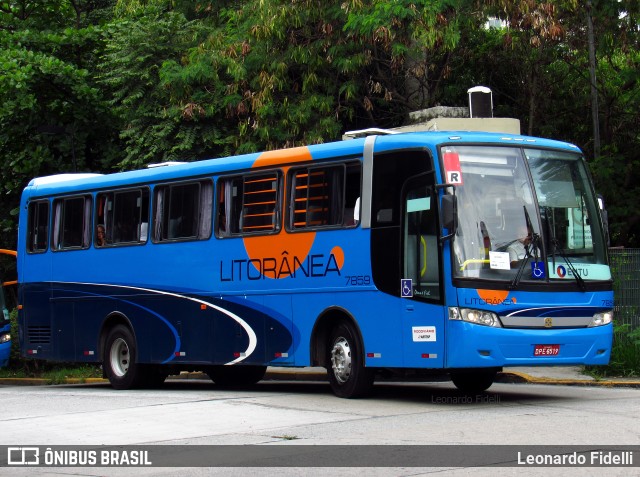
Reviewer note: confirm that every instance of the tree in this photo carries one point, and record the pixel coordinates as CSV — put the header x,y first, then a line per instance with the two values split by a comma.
x,y
152,127
285,73
52,118
128,82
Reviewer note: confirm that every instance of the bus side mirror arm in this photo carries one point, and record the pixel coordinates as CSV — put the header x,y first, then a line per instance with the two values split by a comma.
x,y
449,214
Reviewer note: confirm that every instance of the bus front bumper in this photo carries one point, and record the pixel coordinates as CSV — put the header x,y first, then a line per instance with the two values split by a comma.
x,y
471,345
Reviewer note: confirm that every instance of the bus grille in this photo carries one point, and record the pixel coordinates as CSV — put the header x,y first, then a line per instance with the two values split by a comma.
x,y
39,334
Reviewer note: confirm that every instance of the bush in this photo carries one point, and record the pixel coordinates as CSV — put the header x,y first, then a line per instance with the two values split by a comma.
x,y
625,353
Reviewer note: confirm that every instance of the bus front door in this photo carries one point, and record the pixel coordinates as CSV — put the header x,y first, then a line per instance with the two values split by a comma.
x,y
423,313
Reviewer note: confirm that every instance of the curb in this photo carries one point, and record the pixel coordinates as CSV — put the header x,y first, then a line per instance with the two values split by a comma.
x,y
517,377
48,382
510,377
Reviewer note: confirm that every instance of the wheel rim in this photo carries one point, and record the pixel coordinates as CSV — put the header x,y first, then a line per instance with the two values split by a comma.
x,y
341,360
119,357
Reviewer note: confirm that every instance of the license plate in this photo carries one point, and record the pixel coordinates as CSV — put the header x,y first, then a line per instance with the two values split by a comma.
x,y
546,350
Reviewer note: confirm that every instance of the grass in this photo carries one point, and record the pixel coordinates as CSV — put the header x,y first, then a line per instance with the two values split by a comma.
x,y
53,374
625,354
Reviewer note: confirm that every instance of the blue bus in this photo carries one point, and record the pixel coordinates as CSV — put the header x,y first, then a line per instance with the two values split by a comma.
x,y
411,253
5,324
5,330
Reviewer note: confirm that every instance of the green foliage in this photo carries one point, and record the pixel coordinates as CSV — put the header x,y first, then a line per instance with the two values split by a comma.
x,y
281,73
14,358
99,85
128,82
46,87
151,124
625,354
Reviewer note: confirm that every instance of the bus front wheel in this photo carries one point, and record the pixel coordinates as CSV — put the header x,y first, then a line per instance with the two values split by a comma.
x,y
347,375
119,358
475,381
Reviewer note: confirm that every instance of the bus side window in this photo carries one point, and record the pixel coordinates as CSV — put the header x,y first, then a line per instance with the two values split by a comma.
x,y
248,204
71,219
324,196
122,217
352,195
183,211
38,226
222,227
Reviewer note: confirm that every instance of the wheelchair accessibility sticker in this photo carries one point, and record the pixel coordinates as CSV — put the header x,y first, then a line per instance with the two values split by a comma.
x,y
406,288
537,270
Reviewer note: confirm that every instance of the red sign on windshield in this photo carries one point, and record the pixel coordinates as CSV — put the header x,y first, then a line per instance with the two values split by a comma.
x,y
452,168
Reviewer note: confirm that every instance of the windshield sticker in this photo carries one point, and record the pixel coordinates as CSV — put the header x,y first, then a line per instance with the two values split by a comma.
x,y
537,270
423,333
588,271
452,168
499,260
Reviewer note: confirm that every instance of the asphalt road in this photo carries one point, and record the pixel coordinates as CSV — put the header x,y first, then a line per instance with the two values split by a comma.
x,y
279,413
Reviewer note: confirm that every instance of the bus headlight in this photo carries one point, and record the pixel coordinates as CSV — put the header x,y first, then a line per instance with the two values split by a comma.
x,y
5,337
603,318
479,317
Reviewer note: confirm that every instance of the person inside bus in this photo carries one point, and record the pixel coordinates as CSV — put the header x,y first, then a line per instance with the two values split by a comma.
x,y
519,249
101,239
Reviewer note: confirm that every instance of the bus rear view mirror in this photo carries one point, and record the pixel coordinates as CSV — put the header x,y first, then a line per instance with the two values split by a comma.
x,y
449,214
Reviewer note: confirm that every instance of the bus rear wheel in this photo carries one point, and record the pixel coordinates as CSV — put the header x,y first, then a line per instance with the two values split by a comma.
x,y
475,381
347,375
119,359
238,375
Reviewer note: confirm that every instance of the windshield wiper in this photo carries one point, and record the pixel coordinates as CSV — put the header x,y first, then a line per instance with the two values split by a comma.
x,y
516,280
555,246
532,242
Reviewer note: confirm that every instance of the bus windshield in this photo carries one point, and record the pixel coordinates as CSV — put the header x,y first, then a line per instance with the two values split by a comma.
x,y
526,214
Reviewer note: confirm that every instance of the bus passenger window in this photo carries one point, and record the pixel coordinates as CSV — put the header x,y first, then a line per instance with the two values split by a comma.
x,y
352,194
71,220
120,216
223,224
324,196
183,211
38,228
248,204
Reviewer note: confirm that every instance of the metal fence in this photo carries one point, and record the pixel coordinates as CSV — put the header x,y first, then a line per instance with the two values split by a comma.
x,y
625,268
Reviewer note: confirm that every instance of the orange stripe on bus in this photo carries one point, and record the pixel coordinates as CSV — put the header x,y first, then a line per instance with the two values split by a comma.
x,y
283,156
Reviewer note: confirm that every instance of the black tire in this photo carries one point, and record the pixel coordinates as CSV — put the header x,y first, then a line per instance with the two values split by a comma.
x,y
475,381
236,375
119,359
347,375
